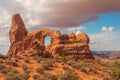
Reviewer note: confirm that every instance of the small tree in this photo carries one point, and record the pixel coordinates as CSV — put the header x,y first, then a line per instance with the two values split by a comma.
x,y
115,70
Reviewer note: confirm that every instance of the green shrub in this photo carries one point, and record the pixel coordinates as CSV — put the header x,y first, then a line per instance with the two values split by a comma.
x,y
80,66
24,76
83,69
76,57
15,71
39,60
16,60
3,56
65,67
12,63
2,67
27,60
104,77
94,79
36,77
5,70
27,72
50,76
24,67
70,62
92,69
68,75
115,70
47,65
1,60
63,59
12,76
40,70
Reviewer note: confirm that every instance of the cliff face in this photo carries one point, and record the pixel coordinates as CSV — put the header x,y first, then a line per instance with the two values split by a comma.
x,y
24,44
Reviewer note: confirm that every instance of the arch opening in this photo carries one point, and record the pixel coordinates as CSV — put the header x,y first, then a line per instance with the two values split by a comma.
x,y
47,41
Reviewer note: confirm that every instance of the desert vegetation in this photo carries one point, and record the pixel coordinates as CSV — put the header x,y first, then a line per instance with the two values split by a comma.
x,y
62,68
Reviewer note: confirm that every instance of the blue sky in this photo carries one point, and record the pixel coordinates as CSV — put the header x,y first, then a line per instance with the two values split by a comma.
x,y
108,20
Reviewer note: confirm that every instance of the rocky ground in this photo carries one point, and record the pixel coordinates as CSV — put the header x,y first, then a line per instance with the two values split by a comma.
x,y
62,68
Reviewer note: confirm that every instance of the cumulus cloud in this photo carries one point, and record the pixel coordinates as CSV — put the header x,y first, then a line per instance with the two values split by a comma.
x,y
107,29
105,41
78,32
66,13
60,13
111,29
76,28
104,29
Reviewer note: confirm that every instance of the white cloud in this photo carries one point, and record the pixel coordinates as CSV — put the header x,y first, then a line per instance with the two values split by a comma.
x,y
78,32
105,41
76,28
107,29
111,29
104,29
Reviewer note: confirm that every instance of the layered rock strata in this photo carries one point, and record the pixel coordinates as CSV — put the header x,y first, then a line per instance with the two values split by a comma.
x,y
24,43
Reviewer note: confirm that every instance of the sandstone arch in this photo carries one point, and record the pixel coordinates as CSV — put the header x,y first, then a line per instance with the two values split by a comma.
x,y
24,43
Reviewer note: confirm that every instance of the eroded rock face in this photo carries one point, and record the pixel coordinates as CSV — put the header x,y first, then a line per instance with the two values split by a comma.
x,y
25,44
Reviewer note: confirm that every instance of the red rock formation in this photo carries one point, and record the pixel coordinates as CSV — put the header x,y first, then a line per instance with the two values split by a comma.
x,y
114,55
23,43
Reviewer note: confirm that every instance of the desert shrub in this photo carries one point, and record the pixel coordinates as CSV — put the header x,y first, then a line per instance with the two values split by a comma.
x,y
75,57
5,70
12,63
27,60
12,76
104,77
100,61
27,72
39,60
2,67
68,75
94,79
92,69
40,70
115,70
24,67
3,56
80,66
15,71
24,76
16,60
36,77
47,64
83,69
70,62
65,67
50,76
1,60
63,59
36,57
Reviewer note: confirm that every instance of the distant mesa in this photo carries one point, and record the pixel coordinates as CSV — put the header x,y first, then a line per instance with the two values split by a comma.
x,y
24,43
115,55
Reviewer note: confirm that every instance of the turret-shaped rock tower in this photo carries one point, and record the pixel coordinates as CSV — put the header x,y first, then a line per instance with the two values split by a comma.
x,y
24,43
